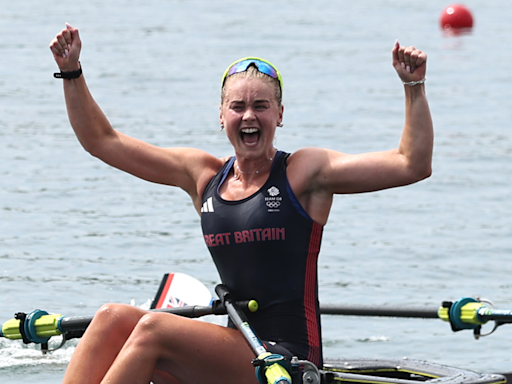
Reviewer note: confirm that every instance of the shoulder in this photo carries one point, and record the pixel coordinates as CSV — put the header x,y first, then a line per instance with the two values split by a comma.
x,y
312,160
307,172
304,165
305,154
197,160
199,168
316,169
319,157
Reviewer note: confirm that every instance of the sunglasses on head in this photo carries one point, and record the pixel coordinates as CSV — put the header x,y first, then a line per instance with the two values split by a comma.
x,y
263,66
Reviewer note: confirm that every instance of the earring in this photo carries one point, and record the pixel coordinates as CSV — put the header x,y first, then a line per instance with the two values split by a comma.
x,y
221,127
280,125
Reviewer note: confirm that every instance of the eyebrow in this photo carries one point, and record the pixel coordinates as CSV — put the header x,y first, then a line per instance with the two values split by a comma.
x,y
258,101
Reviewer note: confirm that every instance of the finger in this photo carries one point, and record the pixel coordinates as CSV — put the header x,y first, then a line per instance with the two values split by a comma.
x,y
65,37
401,59
56,47
60,38
413,58
407,54
418,57
75,35
401,52
407,58
74,42
59,44
394,51
66,33
64,46
56,51
72,30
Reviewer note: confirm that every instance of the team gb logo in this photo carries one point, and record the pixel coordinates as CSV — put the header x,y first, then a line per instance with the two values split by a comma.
x,y
273,191
273,201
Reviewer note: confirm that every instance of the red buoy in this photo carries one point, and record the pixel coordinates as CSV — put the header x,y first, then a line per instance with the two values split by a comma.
x,y
456,16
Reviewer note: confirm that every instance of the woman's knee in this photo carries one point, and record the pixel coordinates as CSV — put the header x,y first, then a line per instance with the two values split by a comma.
x,y
153,321
117,317
154,328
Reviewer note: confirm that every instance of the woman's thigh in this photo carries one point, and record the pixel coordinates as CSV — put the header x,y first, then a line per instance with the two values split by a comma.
x,y
192,351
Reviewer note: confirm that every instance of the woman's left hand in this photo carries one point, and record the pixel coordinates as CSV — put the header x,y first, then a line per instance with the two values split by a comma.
x,y
410,63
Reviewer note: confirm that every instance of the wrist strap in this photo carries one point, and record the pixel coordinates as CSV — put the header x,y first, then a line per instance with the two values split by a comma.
x,y
413,83
69,75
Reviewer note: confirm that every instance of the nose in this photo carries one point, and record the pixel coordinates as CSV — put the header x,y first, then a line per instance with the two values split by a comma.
x,y
248,115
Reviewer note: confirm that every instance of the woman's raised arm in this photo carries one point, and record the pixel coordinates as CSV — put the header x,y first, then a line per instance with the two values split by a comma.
x,y
183,167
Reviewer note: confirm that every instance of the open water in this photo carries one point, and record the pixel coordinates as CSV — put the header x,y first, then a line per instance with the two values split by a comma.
x,y
75,233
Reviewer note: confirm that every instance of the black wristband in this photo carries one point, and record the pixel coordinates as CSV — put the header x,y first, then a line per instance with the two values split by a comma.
x,y
69,75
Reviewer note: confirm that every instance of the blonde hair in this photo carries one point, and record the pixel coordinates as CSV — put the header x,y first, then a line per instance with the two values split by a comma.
x,y
253,73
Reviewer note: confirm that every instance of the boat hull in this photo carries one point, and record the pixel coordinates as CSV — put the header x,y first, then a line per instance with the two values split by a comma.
x,y
405,371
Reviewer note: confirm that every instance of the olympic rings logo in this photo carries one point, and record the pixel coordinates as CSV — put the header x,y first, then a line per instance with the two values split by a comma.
x,y
273,204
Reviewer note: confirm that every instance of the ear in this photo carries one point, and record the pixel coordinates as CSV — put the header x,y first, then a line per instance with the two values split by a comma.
x,y
280,119
221,116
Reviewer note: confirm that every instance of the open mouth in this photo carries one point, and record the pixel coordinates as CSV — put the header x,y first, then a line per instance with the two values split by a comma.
x,y
250,136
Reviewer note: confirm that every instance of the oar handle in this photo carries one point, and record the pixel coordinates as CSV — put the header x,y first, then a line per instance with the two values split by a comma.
x,y
36,327
468,313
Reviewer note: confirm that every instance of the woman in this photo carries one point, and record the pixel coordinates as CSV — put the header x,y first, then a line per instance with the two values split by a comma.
x,y
262,213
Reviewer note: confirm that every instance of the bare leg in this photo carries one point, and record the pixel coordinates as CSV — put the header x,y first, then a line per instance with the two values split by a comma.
x,y
104,338
190,351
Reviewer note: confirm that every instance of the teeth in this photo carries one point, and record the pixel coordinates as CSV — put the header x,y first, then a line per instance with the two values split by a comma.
x,y
250,130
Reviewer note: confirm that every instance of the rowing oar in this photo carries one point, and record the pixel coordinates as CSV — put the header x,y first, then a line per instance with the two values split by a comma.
x,y
178,288
465,313
39,326
178,293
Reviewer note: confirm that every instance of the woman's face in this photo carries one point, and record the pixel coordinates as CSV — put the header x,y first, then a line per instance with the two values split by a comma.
x,y
250,114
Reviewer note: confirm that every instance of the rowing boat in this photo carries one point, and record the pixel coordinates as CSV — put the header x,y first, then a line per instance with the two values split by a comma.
x,y
183,295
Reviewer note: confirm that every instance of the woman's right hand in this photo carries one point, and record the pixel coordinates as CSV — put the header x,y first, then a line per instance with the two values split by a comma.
x,y
410,63
66,48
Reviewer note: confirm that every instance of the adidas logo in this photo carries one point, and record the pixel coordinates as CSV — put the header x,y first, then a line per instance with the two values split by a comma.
x,y
208,205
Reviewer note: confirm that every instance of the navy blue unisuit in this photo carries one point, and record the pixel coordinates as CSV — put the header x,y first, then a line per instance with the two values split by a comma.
x,y
266,248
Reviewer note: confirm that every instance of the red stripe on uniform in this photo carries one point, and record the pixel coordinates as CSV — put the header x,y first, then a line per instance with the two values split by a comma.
x,y
309,294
